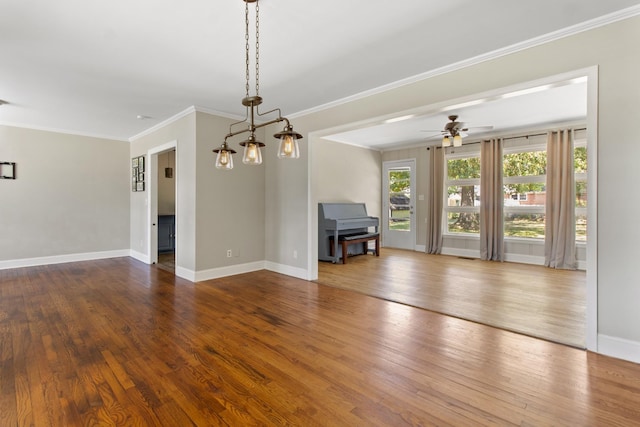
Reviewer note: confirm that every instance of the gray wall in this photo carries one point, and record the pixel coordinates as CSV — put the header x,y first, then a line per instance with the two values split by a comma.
x,y
71,195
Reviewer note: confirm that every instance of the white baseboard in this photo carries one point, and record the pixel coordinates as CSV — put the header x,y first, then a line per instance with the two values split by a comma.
x,y
467,253
60,259
524,259
420,248
185,273
619,348
140,256
216,273
288,270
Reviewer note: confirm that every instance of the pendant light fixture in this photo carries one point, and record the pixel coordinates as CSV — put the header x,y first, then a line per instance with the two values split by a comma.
x,y
168,171
252,147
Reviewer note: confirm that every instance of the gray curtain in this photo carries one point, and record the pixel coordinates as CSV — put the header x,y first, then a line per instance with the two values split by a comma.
x,y
434,200
560,232
492,201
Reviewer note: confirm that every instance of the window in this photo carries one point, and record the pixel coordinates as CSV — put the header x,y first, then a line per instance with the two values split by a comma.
x,y
462,204
524,183
580,171
399,199
524,192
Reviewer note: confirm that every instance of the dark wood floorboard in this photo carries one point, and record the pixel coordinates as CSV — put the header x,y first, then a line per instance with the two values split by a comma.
x,y
530,299
117,342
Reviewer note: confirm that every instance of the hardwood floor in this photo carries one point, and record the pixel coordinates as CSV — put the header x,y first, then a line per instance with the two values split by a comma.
x,y
534,300
167,261
117,342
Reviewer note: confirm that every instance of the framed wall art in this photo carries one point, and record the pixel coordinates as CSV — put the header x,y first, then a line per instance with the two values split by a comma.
x,y
7,170
137,173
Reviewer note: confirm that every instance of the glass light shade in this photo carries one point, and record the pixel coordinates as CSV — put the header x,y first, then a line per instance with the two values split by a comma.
x,y
252,154
457,141
446,142
288,147
224,160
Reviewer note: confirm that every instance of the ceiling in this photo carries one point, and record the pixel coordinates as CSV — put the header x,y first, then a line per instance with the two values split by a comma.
x,y
560,103
93,67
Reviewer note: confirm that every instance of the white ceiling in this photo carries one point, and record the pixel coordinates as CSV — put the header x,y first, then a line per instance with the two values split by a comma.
x,y
560,103
92,66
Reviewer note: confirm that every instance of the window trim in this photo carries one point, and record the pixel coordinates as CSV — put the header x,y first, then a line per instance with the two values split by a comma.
x,y
465,182
471,152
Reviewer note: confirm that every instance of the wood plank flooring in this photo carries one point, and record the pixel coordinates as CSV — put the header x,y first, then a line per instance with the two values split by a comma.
x,y
116,342
534,300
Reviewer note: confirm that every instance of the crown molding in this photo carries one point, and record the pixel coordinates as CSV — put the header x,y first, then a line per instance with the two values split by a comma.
x,y
62,131
163,123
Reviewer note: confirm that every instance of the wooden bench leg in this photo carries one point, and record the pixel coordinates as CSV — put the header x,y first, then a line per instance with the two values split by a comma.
x,y
378,246
345,244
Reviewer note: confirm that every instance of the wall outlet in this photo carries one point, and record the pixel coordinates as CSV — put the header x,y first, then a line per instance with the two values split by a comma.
x,y
229,253
295,254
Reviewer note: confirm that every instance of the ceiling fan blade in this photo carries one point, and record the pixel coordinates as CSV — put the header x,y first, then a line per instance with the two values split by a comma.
x,y
479,127
433,135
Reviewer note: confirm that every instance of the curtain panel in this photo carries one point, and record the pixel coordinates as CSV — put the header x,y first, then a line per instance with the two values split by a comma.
x,y
560,232
492,201
435,195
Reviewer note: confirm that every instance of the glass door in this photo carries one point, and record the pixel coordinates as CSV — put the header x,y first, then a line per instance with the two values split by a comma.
x,y
398,227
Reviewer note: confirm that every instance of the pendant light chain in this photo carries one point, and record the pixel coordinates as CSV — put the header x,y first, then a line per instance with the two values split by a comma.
x,y
257,48
246,40
288,137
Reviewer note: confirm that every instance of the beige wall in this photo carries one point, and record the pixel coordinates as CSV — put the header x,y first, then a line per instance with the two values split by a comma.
x,y
230,205
348,174
71,195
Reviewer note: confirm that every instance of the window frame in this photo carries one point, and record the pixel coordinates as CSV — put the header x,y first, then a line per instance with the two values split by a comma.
x,y
524,179
471,151
465,182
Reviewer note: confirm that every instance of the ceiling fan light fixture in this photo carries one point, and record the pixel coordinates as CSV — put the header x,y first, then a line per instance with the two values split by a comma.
x,y
446,141
457,141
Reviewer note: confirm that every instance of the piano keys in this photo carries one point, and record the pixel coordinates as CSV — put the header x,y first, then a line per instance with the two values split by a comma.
x,y
339,219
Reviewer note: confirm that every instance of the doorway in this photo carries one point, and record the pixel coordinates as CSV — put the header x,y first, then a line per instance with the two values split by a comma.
x,y
590,75
398,206
162,206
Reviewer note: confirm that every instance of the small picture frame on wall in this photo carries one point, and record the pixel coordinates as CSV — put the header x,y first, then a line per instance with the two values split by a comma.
x,y
7,170
137,173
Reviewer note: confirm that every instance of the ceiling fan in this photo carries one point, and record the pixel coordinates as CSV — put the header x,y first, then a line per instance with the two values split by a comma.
x,y
454,131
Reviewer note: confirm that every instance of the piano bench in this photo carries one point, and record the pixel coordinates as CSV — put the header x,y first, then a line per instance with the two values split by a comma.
x,y
347,239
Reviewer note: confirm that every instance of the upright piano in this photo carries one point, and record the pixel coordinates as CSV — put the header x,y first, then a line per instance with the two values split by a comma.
x,y
342,219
